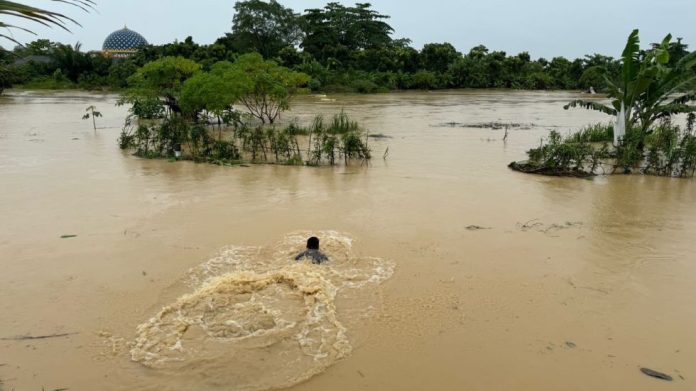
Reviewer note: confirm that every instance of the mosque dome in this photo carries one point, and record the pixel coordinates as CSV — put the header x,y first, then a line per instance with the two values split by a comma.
x,y
124,40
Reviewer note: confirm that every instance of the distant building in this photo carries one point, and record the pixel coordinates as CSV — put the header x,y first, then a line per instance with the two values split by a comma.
x,y
122,43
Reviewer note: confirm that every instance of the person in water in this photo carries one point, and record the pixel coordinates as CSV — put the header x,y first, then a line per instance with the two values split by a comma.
x,y
313,252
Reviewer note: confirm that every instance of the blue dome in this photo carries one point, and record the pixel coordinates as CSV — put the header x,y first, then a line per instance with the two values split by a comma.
x,y
123,40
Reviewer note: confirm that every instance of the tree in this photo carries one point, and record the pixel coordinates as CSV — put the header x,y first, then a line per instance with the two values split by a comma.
x,y
649,88
677,51
264,87
162,78
91,112
71,60
336,31
437,57
264,27
214,92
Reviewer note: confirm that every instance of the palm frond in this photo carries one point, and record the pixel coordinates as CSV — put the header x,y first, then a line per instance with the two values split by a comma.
x,y
589,105
672,109
684,99
41,16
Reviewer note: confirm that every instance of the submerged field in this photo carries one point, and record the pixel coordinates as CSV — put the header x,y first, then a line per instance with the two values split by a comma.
x,y
451,272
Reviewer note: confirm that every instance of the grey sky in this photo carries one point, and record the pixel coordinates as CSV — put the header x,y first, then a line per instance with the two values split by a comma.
x,y
545,28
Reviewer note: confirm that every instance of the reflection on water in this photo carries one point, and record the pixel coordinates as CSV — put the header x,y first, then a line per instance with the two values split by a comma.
x,y
610,267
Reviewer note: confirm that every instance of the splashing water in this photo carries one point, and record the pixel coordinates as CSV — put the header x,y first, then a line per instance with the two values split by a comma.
x,y
257,319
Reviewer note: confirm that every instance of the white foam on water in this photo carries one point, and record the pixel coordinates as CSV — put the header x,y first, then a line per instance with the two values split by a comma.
x,y
256,319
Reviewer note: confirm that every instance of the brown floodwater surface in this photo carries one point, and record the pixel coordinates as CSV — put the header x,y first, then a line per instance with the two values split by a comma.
x,y
179,276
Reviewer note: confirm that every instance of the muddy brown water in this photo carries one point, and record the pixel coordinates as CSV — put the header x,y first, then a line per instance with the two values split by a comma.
x,y
179,276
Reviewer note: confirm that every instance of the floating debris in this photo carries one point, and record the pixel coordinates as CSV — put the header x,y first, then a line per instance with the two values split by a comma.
x,y
31,337
656,374
477,228
68,236
536,225
488,125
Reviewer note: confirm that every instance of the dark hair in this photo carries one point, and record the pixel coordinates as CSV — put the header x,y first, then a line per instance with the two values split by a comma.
x,y
313,243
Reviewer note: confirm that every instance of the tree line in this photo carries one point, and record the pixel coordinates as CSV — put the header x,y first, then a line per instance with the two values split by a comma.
x,y
340,48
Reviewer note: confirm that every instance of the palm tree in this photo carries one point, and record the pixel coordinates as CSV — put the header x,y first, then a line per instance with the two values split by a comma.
x,y
649,89
39,15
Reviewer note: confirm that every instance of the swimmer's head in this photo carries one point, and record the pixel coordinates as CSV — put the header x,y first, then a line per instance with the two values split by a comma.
x,y
313,243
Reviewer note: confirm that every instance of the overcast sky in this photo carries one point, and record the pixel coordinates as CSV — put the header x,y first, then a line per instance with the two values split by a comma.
x,y
545,28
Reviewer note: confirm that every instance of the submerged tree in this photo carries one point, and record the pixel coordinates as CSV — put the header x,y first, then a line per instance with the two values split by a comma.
x,y
91,112
649,88
162,79
264,87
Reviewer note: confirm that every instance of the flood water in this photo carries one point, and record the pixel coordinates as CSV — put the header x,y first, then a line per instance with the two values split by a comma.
x,y
180,275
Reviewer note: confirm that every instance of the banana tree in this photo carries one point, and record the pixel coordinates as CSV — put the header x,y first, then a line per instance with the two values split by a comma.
x,y
38,15
649,89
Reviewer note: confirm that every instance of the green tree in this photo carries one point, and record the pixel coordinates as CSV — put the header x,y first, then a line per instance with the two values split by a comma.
x,y
163,79
648,89
213,92
119,72
677,51
336,31
437,57
264,87
560,71
263,27
72,61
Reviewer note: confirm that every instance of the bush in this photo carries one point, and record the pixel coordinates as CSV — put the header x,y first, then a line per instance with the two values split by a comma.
x,y
596,133
364,86
424,80
665,150
563,157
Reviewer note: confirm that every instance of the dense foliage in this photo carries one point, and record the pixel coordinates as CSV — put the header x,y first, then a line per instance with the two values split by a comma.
x,y
341,48
652,89
225,115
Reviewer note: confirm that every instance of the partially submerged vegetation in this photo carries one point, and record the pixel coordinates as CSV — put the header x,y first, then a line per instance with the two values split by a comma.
x,y
644,139
180,111
323,142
